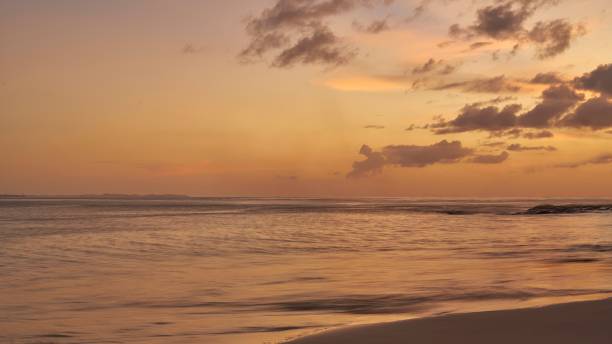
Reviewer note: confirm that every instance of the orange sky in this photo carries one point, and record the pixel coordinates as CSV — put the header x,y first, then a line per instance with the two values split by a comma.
x,y
277,97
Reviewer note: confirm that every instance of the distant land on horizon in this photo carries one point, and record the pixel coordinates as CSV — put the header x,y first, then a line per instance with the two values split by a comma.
x,y
101,196
120,196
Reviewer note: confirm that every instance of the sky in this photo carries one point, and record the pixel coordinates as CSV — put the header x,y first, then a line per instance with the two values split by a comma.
x,y
305,98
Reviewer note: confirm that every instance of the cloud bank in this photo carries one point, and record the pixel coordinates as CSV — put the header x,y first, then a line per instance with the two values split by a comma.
x,y
561,105
414,156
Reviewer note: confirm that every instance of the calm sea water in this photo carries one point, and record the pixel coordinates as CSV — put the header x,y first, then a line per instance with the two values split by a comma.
x,y
264,270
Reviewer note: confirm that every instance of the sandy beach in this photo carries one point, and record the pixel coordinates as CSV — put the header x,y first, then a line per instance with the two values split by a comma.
x,y
582,322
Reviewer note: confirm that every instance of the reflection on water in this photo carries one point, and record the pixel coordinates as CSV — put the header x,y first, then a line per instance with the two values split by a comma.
x,y
263,270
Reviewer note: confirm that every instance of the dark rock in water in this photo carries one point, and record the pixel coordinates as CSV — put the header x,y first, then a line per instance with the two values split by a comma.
x,y
569,209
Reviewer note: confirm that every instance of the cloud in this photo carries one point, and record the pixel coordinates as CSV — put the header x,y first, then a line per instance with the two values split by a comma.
x,y
421,156
517,147
603,159
556,101
544,134
494,101
297,13
296,31
413,156
434,65
261,44
554,37
498,84
192,49
560,106
520,133
420,9
514,133
478,45
546,79
473,118
493,144
429,66
448,69
506,19
373,164
321,47
446,44
598,80
375,27
490,159
500,22
595,113
371,126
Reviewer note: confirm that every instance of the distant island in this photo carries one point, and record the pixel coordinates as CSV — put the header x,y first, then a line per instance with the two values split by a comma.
x,y
102,196
569,209
12,196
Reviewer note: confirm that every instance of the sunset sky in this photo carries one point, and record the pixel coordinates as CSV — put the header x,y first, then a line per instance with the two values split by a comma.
x,y
334,98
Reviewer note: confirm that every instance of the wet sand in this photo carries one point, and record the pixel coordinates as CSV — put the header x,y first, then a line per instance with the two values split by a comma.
x,y
581,322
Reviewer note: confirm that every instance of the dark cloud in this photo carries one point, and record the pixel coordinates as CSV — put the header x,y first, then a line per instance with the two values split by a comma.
x,y
445,44
495,55
372,126
374,27
503,20
544,134
321,47
546,79
514,133
443,152
373,164
494,101
595,113
473,118
295,29
498,84
289,14
499,21
478,45
517,147
603,159
429,66
506,19
421,156
493,144
448,69
560,106
553,37
261,44
556,101
490,159
433,65
192,49
421,8
418,11
599,80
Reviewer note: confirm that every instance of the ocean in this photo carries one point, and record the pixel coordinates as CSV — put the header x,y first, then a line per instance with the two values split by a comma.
x,y
263,270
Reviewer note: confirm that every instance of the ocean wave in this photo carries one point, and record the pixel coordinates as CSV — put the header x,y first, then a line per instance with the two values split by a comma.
x,y
364,304
569,209
82,209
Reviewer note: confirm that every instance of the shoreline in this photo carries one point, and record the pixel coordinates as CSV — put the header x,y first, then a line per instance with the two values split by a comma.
x,y
571,323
